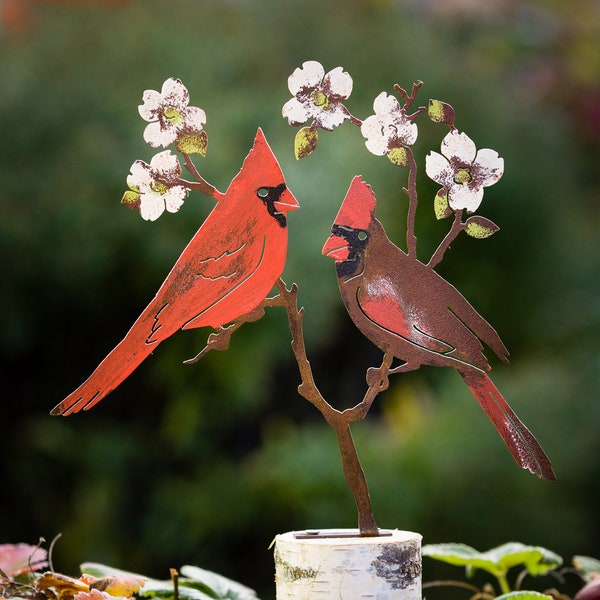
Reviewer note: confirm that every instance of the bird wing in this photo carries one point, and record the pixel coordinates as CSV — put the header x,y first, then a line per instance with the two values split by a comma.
x,y
428,322
383,306
193,293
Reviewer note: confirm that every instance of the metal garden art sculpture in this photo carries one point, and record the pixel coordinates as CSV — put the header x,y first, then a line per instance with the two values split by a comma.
x,y
224,276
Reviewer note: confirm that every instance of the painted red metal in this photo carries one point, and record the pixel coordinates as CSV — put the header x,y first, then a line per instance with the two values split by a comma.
x,y
226,271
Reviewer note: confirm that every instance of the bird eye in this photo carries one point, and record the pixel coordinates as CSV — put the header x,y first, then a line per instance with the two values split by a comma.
x,y
262,192
362,236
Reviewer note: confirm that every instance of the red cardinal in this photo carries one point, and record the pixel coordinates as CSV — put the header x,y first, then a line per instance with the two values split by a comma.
x,y
405,308
226,271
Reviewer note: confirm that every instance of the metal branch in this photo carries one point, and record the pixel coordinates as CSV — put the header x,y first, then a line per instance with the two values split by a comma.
x,y
457,227
339,420
413,201
202,185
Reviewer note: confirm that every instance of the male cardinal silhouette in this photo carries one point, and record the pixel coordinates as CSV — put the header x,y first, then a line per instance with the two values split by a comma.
x,y
225,272
409,311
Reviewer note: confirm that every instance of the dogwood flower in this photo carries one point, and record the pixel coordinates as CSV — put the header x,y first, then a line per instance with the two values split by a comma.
x,y
154,187
168,113
463,170
318,96
16,559
389,127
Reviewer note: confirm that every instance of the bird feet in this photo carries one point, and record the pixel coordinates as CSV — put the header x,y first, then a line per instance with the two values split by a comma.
x,y
377,378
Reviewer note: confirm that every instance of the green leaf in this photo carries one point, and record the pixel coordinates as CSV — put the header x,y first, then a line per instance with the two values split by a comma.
x,y
480,227
441,206
196,584
587,565
523,595
305,142
164,589
497,561
441,112
222,587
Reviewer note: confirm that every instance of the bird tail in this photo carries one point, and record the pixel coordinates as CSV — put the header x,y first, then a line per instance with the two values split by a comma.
x,y
522,444
113,370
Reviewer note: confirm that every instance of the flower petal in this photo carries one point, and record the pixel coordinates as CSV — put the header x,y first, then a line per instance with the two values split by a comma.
x,y
157,137
408,133
458,147
295,112
309,76
465,197
151,206
166,163
150,109
332,117
385,105
174,198
175,94
140,176
338,83
438,168
489,167
376,142
194,118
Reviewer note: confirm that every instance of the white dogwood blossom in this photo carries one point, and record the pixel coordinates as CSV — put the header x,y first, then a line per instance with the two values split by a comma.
x,y
168,114
463,170
154,187
318,96
389,127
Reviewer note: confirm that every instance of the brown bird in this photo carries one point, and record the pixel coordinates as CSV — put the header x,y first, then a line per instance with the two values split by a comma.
x,y
406,309
226,271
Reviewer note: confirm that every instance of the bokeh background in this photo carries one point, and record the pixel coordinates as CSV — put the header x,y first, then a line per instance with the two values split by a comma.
x,y
205,464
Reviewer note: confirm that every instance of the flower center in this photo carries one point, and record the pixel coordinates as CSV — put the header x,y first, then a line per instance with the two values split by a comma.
x,y
159,187
320,99
463,176
172,115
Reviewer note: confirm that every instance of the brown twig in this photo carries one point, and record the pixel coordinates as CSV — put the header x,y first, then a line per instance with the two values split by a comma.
x,y
201,184
457,227
413,201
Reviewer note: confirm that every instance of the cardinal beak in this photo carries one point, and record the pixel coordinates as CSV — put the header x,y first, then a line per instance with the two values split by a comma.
x,y
337,248
286,202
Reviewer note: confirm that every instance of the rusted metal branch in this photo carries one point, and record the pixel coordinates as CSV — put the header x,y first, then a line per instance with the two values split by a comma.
x,y
457,227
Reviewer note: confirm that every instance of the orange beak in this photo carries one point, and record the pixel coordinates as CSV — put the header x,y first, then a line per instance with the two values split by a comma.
x,y
336,247
286,202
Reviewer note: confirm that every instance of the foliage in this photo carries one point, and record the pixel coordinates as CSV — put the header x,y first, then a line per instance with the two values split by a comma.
x,y
531,560
100,582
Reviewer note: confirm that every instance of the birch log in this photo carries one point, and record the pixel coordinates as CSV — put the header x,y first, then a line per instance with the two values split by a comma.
x,y
348,568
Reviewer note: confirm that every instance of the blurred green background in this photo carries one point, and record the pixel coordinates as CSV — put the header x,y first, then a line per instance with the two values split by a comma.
x,y
205,464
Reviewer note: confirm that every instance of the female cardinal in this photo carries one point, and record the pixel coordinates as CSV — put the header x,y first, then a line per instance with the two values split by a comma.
x,y
406,309
225,272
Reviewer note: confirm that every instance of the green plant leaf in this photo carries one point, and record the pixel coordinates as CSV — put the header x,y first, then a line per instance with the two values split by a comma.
x,y
194,584
587,565
523,595
164,589
222,587
497,561
305,142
